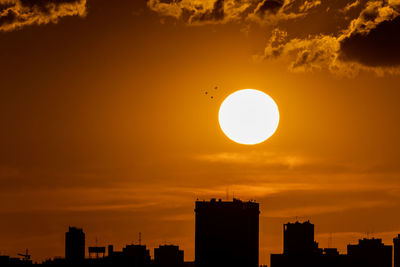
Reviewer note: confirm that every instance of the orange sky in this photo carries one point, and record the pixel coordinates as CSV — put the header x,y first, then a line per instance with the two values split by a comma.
x,y
104,124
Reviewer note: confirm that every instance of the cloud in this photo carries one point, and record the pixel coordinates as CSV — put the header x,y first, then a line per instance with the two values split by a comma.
x,y
373,39
371,42
199,12
7,172
269,6
307,5
324,200
273,11
350,6
15,14
255,159
306,54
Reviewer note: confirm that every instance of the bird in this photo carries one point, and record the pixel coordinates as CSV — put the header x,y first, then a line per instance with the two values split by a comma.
x,y
209,93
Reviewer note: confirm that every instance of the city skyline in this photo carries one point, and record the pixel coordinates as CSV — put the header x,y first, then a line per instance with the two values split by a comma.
x,y
113,119
218,244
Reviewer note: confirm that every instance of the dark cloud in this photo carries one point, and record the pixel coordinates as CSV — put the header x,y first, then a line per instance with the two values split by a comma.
x,y
223,11
370,42
363,36
379,47
215,14
15,14
269,6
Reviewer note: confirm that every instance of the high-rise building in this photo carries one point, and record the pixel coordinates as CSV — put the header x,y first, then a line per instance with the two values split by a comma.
x,y
298,238
136,255
168,256
110,250
300,249
396,251
74,245
226,233
370,253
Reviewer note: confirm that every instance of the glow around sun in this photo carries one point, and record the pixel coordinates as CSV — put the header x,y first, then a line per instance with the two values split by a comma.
x,y
249,116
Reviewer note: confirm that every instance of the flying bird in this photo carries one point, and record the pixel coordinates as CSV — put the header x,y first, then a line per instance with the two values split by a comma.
x,y
209,93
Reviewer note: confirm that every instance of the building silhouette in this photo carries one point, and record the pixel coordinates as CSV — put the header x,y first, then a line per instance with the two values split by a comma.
x,y
301,250
74,245
136,255
97,251
226,233
298,238
11,261
110,250
168,256
396,251
370,253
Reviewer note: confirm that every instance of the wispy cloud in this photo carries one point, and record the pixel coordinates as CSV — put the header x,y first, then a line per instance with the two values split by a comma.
x,y
196,12
368,43
254,158
307,5
350,6
15,14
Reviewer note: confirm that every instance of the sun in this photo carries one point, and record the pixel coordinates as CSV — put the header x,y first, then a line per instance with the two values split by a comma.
x,y
249,116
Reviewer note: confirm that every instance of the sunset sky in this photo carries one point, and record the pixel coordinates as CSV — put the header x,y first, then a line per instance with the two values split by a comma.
x,y
105,124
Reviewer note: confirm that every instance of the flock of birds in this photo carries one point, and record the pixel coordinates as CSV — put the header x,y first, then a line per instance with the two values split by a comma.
x,y
211,94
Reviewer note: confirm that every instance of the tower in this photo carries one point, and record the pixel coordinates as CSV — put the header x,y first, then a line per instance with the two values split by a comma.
x,y
226,233
74,245
370,253
298,238
168,256
396,251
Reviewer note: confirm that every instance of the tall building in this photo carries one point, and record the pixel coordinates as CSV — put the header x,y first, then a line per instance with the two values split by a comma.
x,y
136,255
396,251
370,253
300,249
168,256
298,238
74,245
226,233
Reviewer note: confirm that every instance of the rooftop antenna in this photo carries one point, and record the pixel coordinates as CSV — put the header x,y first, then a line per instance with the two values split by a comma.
x,y
140,238
25,256
227,193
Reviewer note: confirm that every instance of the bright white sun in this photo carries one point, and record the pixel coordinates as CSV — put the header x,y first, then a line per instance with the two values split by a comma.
x,y
249,116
